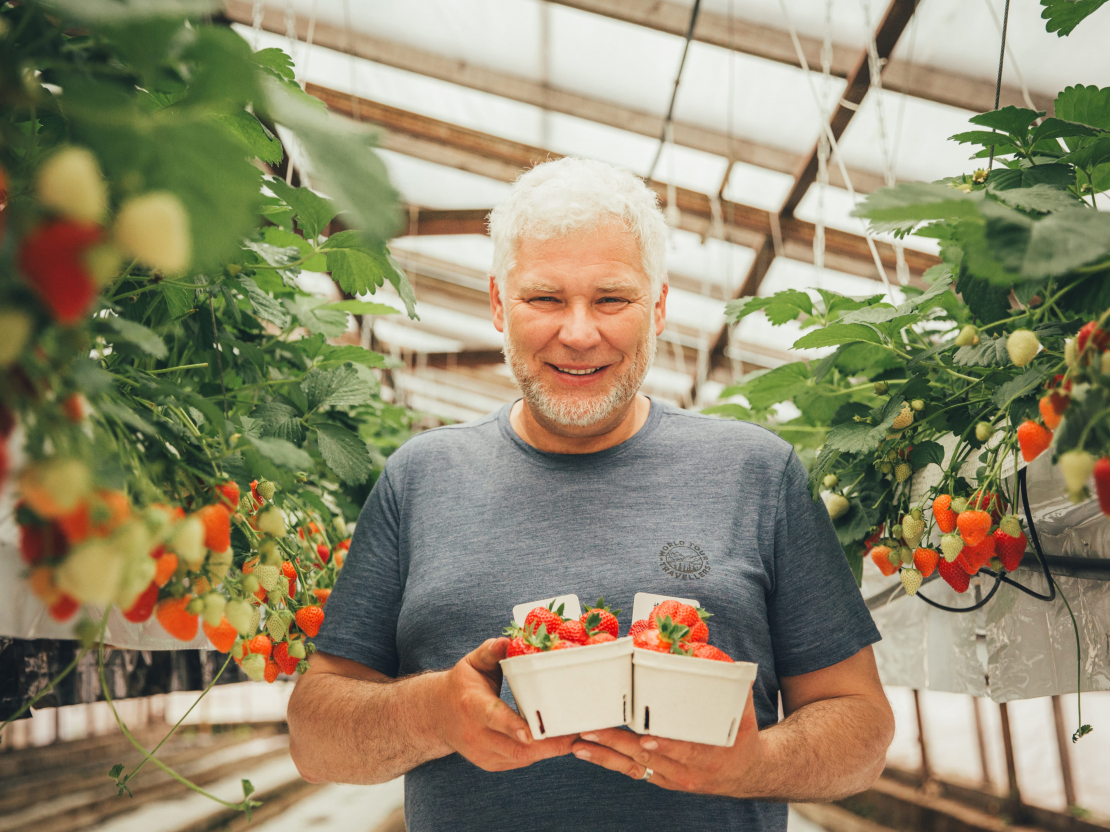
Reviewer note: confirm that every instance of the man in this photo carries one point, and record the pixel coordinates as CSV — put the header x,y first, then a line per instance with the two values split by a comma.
x,y
586,486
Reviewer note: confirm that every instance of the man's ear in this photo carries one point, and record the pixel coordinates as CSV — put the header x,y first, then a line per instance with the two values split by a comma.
x,y
496,306
661,310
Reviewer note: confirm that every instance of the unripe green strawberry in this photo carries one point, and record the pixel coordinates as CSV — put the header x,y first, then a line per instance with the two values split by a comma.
x,y
187,542
1071,353
270,552
250,584
254,666
1104,363
239,614
912,530
904,418
911,580
881,388
246,504
984,431
218,564
302,667
275,596
917,514
905,555
1022,345
1010,525
267,576
896,531
214,606
256,618
902,472
892,455
837,505
959,504
886,467
951,545
271,521
968,337
91,571
831,480
154,229
16,326
104,263
70,182
276,627
266,490
296,649
917,405
1076,465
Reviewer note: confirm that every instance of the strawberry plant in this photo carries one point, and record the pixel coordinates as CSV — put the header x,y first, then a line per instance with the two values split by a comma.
x,y
184,435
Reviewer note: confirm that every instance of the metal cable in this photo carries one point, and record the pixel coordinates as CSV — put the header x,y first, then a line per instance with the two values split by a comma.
x,y
674,92
998,84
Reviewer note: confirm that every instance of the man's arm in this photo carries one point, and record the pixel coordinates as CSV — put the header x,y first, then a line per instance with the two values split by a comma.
x,y
351,724
832,743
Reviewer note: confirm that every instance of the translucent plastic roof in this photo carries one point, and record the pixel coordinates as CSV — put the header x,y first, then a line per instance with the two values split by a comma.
x,y
733,94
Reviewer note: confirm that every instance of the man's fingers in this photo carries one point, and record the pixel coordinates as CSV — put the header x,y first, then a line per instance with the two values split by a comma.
x,y
606,757
500,717
681,752
485,658
621,741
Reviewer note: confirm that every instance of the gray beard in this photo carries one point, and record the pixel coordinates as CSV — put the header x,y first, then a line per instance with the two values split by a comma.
x,y
575,411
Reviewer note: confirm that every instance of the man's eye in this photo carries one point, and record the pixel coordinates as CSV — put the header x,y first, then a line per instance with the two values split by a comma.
x,y
613,300
545,298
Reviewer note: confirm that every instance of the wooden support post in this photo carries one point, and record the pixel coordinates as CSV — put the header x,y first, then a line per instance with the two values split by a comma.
x,y
926,770
1014,797
1065,753
981,736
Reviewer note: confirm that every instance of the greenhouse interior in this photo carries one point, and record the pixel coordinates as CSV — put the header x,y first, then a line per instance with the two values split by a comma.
x,y
331,332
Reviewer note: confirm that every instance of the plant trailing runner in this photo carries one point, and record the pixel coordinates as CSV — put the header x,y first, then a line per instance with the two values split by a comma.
x,y
1005,353
184,439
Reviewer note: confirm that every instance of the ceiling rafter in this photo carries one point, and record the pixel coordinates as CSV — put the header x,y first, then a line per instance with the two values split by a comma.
x,y
916,80
444,143
544,96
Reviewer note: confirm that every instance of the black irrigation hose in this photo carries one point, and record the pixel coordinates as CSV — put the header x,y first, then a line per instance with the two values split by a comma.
x,y
1000,576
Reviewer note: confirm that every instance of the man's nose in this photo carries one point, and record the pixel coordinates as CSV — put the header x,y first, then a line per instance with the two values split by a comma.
x,y
579,330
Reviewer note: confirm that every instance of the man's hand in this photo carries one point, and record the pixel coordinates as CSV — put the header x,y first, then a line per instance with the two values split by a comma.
x,y
680,766
478,725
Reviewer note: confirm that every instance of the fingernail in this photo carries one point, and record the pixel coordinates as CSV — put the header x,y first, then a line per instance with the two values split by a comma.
x,y
650,745
582,755
522,735
589,738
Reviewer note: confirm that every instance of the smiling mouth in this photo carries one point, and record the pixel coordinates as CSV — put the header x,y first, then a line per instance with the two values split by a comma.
x,y
570,371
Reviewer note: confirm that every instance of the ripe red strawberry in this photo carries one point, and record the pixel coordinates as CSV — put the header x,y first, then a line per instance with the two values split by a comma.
x,y
1091,333
176,621
64,608
639,626
1010,550
260,644
600,617
1033,439
309,620
955,575
217,527
550,619
222,636
871,541
708,651
143,607
287,663
229,493
52,261
271,672
1102,483
559,644
678,612
322,595
974,525
38,543
975,557
290,572
667,637
699,633
600,638
519,647
323,552
925,561
573,631
880,555
989,502
943,514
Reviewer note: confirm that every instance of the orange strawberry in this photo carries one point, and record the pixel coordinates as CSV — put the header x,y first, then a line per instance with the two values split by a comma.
x,y
974,525
164,568
255,495
175,620
217,527
97,516
1051,418
63,608
942,512
143,607
322,595
309,620
1033,439
222,636
271,672
260,644
881,557
290,573
229,493
925,561
75,407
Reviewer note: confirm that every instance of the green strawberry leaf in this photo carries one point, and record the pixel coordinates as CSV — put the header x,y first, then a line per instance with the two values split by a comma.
x,y
345,453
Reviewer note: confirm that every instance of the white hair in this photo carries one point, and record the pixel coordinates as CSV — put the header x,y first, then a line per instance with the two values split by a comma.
x,y
571,194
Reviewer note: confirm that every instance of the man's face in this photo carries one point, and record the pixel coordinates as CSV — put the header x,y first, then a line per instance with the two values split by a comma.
x,y
580,326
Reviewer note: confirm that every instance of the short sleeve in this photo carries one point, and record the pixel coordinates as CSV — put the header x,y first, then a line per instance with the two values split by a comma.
x,y
816,612
360,620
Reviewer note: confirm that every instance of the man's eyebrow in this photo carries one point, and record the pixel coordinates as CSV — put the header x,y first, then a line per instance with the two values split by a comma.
x,y
540,288
618,289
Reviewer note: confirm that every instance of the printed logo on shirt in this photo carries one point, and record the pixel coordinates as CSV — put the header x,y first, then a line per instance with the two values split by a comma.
x,y
684,560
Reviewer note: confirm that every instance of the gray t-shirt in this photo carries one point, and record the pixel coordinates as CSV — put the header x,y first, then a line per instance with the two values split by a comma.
x,y
469,520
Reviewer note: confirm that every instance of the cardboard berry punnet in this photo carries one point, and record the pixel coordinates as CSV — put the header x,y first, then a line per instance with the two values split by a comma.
x,y
561,692
683,698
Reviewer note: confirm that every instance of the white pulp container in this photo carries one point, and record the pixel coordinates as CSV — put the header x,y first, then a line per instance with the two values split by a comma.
x,y
574,690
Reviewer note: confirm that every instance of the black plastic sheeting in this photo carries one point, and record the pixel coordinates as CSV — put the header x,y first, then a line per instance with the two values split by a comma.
x,y
27,666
